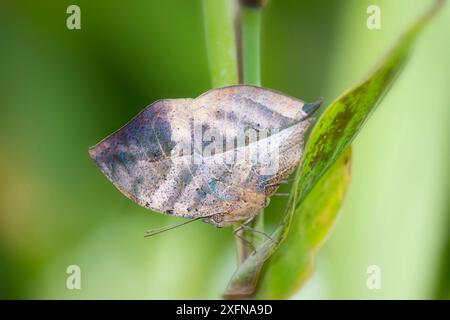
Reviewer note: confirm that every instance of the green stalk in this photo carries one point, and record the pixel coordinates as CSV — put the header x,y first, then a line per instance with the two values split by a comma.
x,y
251,38
251,49
221,46
224,65
221,42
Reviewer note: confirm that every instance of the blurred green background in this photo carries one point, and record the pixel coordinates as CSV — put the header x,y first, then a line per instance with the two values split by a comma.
x,y
62,91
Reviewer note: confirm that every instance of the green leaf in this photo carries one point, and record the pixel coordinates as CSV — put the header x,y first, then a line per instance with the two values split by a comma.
x,y
287,258
317,218
312,221
343,119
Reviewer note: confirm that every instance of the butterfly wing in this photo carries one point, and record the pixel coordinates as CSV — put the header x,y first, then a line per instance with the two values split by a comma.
x,y
170,158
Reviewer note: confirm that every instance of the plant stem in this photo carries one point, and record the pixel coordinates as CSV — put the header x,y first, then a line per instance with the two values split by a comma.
x,y
224,68
222,49
251,37
221,42
251,46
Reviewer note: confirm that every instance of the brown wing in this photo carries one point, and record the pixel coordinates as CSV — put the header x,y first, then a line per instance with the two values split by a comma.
x,y
159,158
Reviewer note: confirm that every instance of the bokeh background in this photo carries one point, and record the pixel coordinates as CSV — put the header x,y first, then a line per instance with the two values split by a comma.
x,y
62,91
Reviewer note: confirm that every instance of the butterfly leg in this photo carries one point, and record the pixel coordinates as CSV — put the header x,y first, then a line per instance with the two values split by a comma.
x,y
279,183
259,232
245,226
238,229
237,233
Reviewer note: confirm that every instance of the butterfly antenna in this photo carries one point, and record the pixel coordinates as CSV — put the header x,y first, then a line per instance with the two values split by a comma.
x,y
154,232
